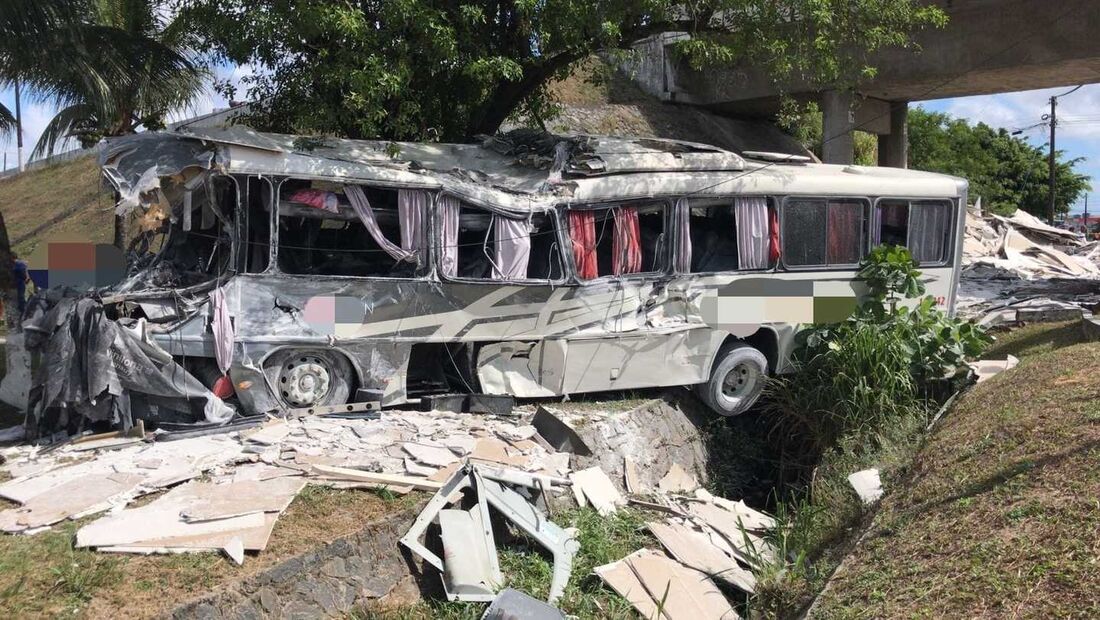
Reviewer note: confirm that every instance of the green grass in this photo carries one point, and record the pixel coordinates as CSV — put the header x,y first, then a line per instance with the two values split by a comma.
x,y
1000,513
1034,339
44,575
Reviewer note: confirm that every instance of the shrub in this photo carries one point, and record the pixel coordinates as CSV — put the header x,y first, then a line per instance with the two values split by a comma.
x,y
874,367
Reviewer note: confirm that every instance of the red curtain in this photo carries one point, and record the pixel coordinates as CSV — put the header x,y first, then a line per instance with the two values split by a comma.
x,y
582,231
773,236
626,244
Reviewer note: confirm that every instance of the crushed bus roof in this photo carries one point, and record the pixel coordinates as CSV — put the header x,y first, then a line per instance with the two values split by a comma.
x,y
522,170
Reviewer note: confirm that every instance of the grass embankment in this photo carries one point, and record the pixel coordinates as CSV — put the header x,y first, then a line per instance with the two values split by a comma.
x,y
43,576
999,514
65,202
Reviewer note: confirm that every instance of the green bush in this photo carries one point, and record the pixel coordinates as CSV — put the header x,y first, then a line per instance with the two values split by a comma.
x,y
876,366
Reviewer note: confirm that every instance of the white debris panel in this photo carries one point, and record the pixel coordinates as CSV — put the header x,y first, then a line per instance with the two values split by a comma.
x,y
1019,269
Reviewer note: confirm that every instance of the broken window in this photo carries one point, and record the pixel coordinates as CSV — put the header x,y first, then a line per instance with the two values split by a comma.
x,y
350,230
731,234
199,244
257,229
485,245
923,226
618,240
821,232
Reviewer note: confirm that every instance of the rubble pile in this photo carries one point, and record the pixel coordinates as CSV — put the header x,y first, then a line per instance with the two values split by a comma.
x,y
224,491
249,476
1020,269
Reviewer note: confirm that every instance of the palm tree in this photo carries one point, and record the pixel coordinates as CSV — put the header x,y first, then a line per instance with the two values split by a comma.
x,y
130,66
25,26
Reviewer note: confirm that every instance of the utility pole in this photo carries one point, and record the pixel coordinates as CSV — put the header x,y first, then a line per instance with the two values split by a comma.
x,y
1050,160
18,128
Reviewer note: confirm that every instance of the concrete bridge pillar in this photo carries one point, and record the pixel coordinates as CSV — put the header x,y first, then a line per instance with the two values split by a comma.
x,y
838,122
893,147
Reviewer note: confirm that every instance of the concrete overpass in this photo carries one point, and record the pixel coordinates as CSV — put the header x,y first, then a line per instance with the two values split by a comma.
x,y
989,46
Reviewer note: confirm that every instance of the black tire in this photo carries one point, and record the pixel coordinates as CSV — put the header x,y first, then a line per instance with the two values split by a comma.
x,y
736,379
310,377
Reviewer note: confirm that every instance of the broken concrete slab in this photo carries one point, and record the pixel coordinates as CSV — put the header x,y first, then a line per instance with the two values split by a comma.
x,y
693,549
620,577
678,481
867,485
83,495
598,490
436,456
635,433
985,369
683,593
221,501
747,546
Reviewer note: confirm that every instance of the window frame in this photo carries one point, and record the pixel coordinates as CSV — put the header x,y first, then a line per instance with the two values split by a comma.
x,y
774,202
273,264
864,230
669,205
436,243
949,232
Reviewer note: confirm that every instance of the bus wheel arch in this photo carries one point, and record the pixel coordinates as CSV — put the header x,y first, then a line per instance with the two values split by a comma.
x,y
310,377
739,372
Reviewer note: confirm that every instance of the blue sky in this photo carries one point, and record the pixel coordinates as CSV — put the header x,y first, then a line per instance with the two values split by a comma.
x,y
1078,123
1078,114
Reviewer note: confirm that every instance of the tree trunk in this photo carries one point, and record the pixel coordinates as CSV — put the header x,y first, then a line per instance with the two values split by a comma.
x,y
7,277
509,95
120,232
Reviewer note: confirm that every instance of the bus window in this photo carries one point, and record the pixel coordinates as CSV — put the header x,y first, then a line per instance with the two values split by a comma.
x,y
620,240
923,226
350,230
731,234
819,232
492,246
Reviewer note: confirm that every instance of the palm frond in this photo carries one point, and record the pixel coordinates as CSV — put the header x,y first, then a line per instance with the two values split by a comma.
x,y
75,121
7,121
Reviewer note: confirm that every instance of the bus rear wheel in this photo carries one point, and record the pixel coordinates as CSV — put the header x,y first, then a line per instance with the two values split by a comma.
x,y
311,377
736,379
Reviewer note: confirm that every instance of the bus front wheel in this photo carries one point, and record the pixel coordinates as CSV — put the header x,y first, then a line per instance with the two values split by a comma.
x,y
736,379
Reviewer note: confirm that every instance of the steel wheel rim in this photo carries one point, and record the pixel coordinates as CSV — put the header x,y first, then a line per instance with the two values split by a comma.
x,y
305,380
740,380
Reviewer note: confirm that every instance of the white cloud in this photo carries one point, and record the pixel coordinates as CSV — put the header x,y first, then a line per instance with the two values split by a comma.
x,y
1078,113
35,118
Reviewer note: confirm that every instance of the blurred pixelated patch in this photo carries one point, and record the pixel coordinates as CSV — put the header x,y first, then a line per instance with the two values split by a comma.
x,y
75,264
334,315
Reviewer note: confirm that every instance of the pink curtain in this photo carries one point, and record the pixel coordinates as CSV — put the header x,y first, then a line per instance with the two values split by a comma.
x,y
223,331
626,242
682,260
412,204
448,226
512,241
582,232
359,202
751,216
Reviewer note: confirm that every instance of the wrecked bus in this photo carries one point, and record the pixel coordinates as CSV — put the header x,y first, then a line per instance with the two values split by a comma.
x,y
291,272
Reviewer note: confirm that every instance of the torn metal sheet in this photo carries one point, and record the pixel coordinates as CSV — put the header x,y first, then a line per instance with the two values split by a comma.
x,y
476,575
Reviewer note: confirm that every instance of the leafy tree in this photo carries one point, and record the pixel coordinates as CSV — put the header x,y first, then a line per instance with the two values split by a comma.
x,y
452,69
124,66
1007,172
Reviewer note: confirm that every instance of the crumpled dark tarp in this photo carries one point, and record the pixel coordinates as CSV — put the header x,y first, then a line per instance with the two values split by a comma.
x,y
93,366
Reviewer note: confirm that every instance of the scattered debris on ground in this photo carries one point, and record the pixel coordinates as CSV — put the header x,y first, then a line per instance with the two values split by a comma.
x,y
867,485
1018,270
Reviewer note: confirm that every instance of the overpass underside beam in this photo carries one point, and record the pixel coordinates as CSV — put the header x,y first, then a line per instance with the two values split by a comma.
x,y
844,112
